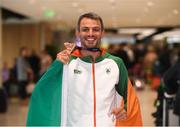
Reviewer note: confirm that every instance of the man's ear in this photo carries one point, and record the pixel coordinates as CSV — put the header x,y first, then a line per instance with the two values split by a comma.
x,y
103,33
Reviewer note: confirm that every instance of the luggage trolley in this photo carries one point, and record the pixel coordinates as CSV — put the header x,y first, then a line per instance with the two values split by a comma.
x,y
169,118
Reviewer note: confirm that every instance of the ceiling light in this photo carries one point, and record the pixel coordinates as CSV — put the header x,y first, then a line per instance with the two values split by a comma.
x,y
175,34
146,32
175,11
75,4
150,3
142,31
129,30
158,37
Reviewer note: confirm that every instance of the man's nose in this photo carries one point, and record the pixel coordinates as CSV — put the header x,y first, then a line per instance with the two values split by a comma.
x,y
90,33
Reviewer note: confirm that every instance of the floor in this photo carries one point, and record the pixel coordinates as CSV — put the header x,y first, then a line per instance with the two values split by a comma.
x,y
146,98
16,115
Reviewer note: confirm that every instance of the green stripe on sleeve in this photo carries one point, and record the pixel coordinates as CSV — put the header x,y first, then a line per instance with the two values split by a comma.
x,y
122,86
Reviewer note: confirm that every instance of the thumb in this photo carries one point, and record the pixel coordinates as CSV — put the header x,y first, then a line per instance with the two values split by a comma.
x,y
69,46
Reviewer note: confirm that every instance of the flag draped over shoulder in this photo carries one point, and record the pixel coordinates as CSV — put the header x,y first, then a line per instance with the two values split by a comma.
x,y
133,109
45,104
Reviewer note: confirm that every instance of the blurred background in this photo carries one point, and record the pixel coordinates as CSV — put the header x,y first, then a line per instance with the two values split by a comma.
x,y
144,33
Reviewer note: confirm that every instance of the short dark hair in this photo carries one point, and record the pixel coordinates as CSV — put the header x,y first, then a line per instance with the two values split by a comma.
x,y
90,15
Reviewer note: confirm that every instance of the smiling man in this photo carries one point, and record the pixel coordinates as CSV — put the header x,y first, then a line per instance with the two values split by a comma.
x,y
85,86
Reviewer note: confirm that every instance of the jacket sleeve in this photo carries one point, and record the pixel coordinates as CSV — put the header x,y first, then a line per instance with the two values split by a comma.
x,y
130,101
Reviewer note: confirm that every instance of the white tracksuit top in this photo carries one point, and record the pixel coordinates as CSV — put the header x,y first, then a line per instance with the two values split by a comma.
x,y
91,94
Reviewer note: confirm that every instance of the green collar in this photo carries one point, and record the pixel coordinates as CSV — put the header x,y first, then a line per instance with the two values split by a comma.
x,y
89,59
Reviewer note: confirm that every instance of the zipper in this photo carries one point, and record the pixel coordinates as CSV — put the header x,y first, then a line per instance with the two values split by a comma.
x,y
94,91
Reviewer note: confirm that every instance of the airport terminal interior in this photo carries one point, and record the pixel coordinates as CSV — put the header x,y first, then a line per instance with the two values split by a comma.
x,y
145,34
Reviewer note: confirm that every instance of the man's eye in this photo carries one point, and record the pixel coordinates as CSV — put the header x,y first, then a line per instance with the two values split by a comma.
x,y
85,30
96,29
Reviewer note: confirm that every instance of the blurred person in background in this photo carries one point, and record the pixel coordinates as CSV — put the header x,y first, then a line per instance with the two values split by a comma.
x,y
45,62
121,53
34,62
139,51
169,73
130,53
148,63
112,49
23,71
5,76
171,80
137,69
4,88
81,87
163,61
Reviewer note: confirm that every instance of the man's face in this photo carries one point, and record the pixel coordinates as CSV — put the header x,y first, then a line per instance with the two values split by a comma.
x,y
90,33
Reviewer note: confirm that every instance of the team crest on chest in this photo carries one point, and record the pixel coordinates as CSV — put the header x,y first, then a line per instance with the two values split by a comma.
x,y
108,70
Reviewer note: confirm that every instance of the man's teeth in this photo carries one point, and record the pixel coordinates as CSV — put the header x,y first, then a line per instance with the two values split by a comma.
x,y
90,39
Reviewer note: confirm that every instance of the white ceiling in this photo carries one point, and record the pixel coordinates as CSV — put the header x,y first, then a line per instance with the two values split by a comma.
x,y
115,13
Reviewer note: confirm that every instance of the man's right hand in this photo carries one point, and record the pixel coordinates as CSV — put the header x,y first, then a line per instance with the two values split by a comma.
x,y
119,113
64,56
